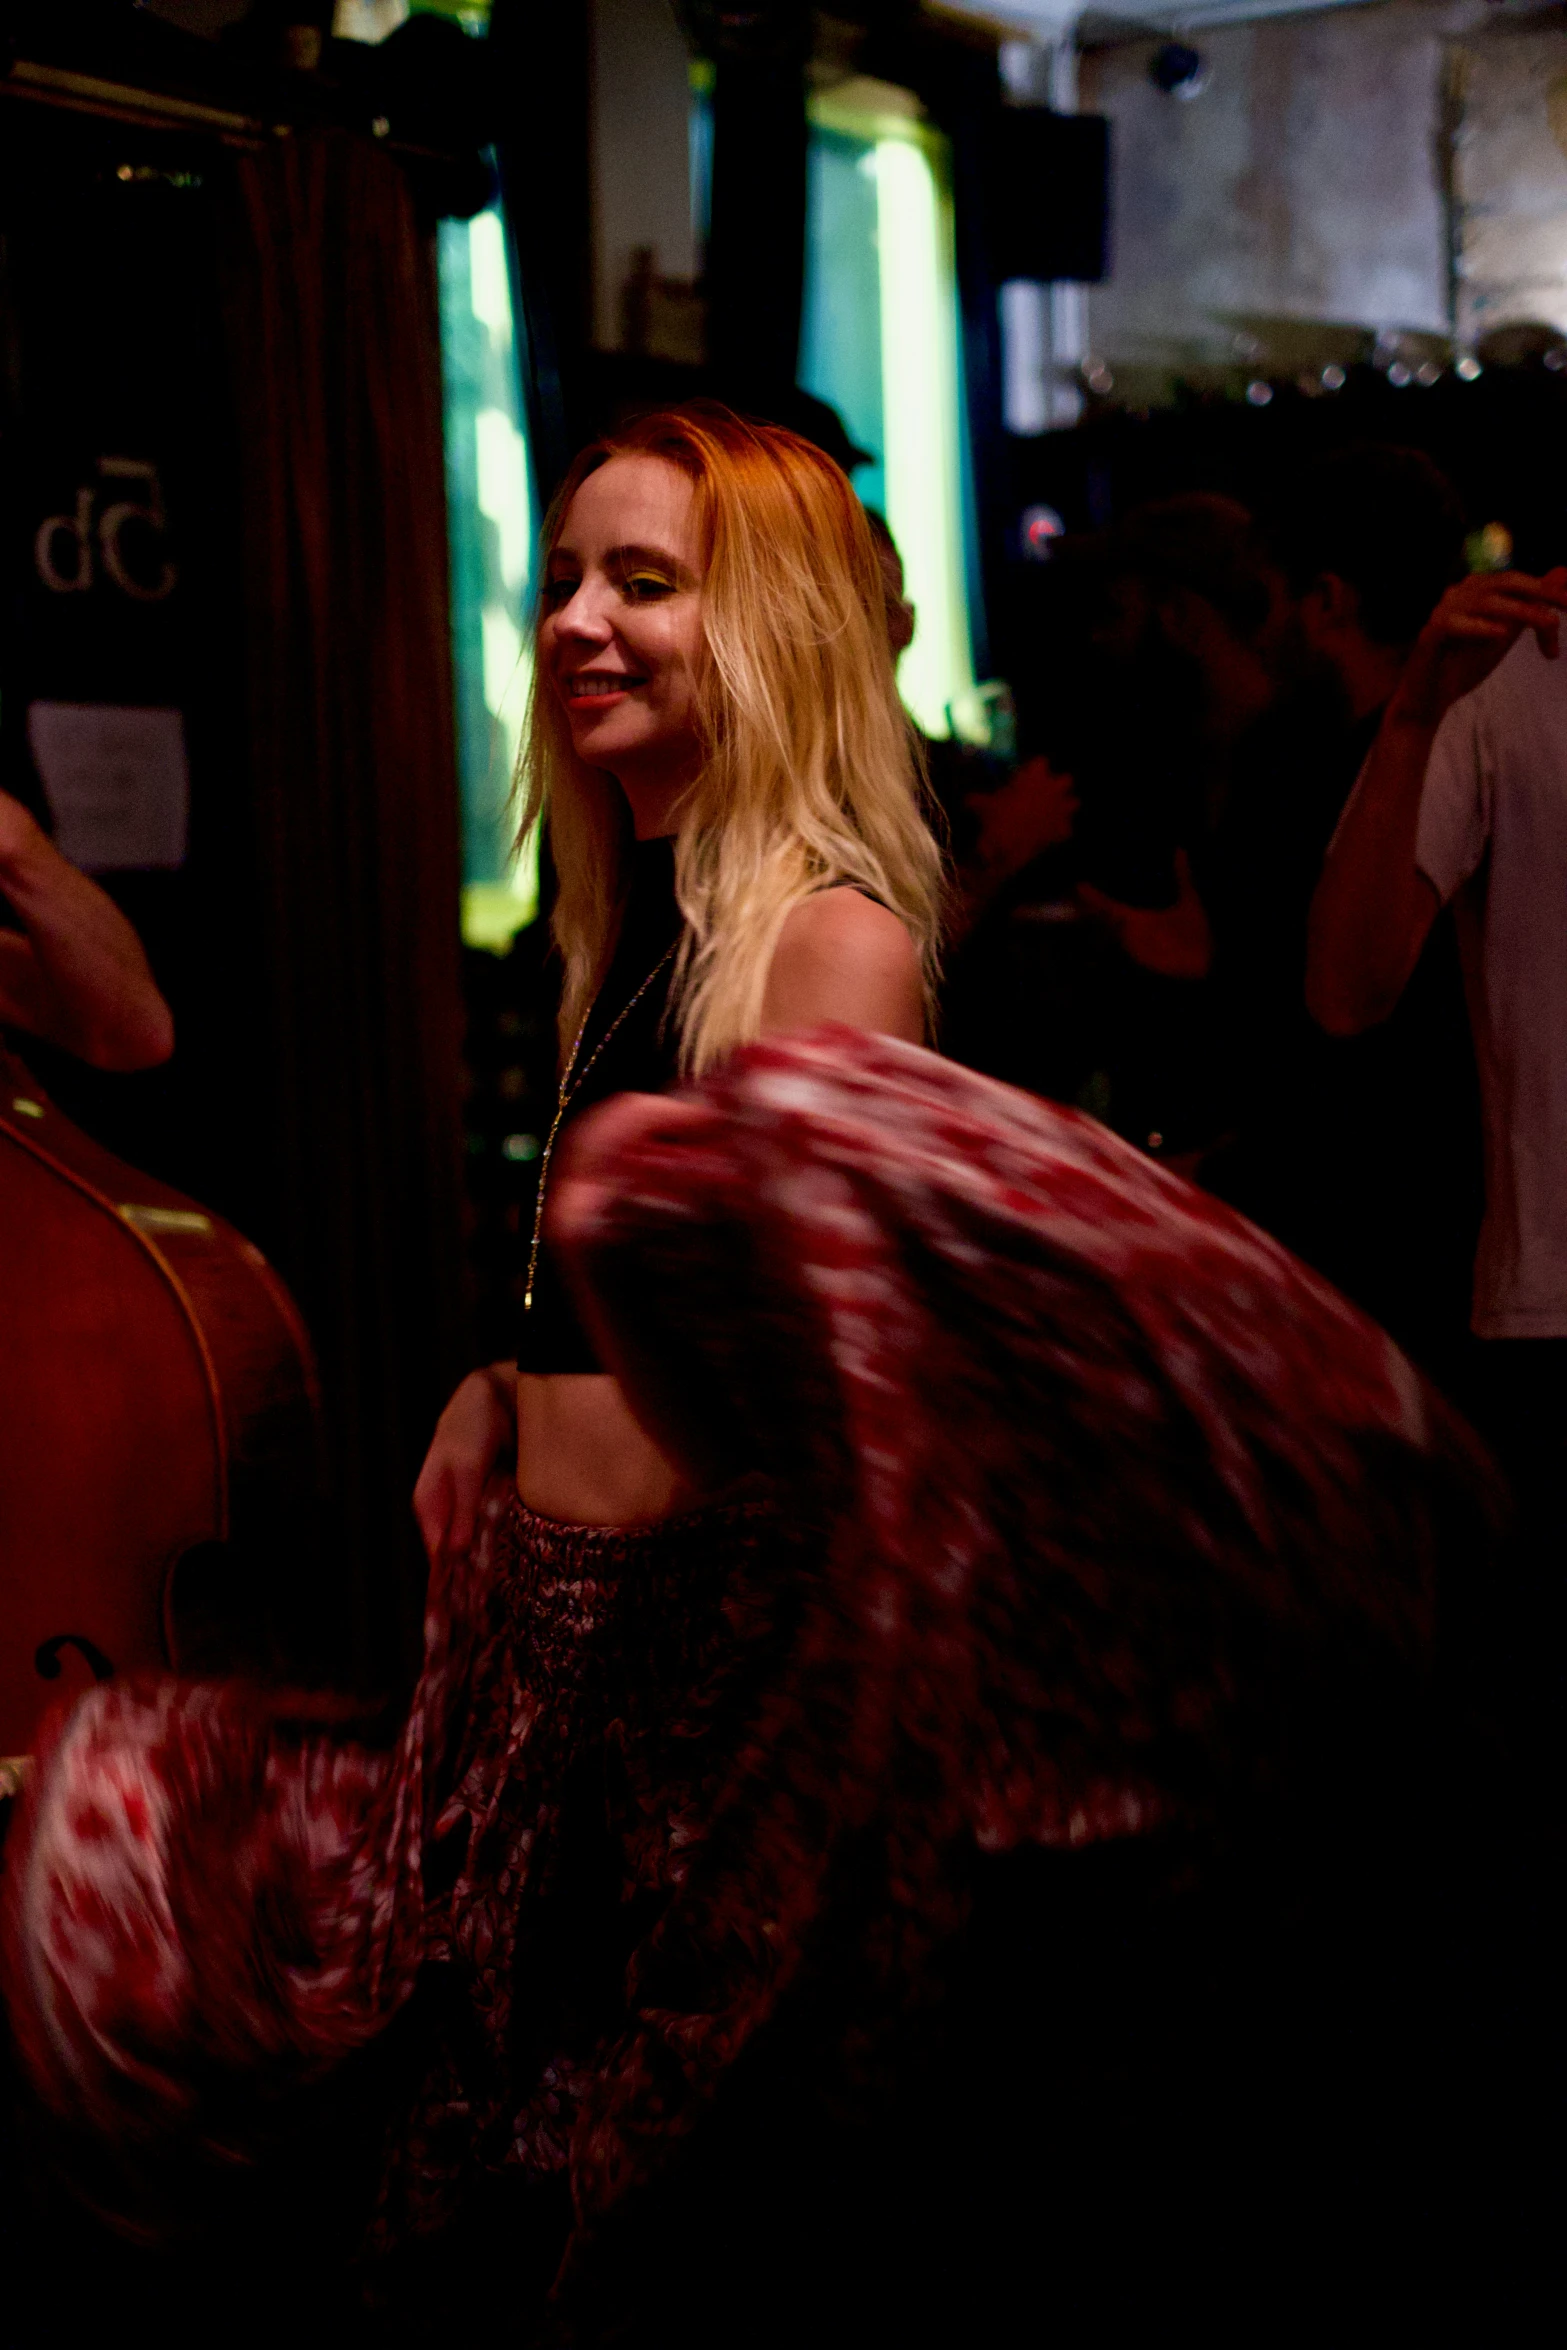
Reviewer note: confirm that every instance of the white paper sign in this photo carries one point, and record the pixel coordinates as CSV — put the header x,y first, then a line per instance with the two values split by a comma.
x,y
118,783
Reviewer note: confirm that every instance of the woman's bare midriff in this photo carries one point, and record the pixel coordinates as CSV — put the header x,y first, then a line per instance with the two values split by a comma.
x,y
583,1459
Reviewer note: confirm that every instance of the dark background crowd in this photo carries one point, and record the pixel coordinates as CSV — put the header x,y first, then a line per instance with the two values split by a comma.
x,y
1202,689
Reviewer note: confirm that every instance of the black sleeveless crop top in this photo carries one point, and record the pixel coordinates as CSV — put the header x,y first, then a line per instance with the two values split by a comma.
x,y
641,1057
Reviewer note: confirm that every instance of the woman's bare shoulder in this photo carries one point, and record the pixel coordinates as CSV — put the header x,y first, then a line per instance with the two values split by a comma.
x,y
844,921
841,956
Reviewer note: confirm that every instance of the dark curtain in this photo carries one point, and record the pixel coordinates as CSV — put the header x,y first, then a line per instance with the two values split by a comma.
x,y
756,246
335,336
538,61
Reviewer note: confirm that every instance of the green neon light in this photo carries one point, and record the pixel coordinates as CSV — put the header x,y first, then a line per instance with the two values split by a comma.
x,y
493,517
907,275
919,393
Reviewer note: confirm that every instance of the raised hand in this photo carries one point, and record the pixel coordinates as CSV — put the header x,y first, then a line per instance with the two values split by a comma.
x,y
1473,628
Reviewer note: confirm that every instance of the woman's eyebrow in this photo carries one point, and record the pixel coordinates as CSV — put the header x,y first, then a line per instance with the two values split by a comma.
x,y
629,555
626,558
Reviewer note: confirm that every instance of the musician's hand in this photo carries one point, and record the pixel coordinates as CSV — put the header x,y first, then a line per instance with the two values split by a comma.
x,y
19,832
475,1434
1473,628
75,972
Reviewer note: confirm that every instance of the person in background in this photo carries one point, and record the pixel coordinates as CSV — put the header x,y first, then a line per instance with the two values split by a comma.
x,y
1294,635
901,615
72,970
1364,1157
1463,802
1351,565
1200,621
1018,823
1368,542
1081,974
1018,1001
1008,1010
947,766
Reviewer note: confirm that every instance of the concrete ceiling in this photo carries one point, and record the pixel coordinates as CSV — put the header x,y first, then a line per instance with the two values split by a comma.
x,y
1048,20
1109,22
1094,22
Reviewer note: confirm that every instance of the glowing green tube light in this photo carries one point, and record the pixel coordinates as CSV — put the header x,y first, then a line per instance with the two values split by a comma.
x,y
880,342
493,522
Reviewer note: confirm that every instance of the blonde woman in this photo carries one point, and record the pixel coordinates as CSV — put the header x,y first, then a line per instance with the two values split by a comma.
x,y
717,740
734,815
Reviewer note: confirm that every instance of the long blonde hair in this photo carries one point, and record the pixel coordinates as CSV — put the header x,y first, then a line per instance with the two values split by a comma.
x,y
810,775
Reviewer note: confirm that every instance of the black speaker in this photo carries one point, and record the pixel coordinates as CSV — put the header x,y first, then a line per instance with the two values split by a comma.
x,y
1048,195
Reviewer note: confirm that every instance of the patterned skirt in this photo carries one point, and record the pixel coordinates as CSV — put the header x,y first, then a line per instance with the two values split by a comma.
x,y
612,1676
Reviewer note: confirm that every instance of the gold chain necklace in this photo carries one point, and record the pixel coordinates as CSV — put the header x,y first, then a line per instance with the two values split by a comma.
x,y
568,1094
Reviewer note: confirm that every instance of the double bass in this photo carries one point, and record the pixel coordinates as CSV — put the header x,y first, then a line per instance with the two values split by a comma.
x,y
157,1391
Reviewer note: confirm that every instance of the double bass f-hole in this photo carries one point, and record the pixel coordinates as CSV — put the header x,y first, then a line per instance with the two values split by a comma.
x,y
46,1656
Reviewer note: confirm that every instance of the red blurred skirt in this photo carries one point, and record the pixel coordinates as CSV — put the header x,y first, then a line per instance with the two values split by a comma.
x,y
1092,1511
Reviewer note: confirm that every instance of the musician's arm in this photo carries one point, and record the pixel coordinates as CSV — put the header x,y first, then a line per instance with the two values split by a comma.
x,y
75,972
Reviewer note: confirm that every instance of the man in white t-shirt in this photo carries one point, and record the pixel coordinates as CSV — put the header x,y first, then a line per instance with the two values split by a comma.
x,y
1493,834
1464,798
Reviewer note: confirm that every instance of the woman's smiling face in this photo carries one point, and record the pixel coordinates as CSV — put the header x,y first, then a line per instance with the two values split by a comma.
x,y
622,630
